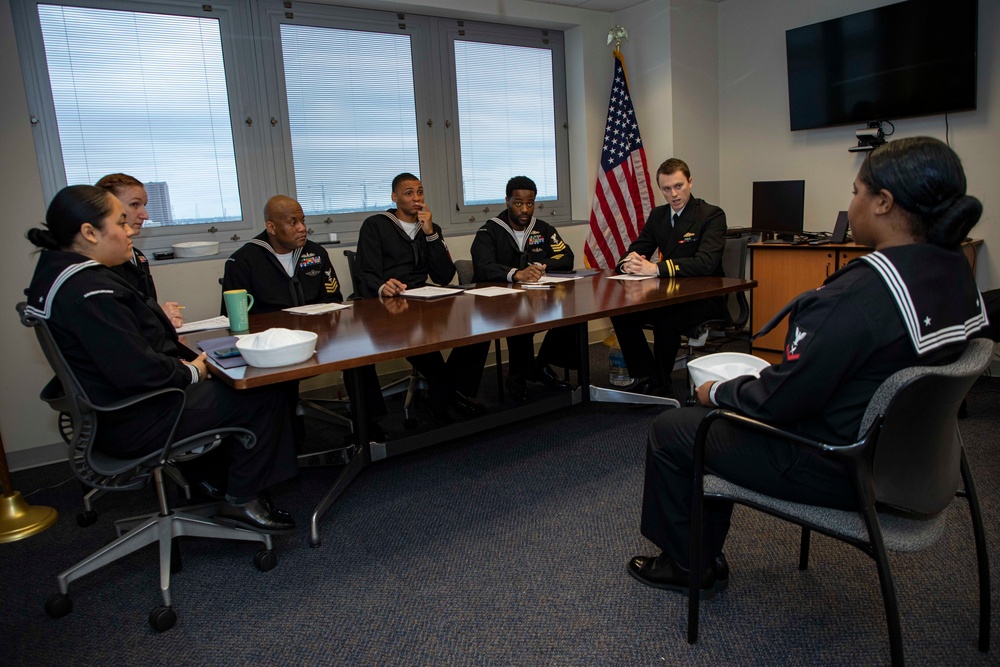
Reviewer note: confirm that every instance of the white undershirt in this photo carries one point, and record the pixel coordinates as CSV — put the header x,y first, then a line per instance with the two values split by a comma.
x,y
410,228
288,261
519,237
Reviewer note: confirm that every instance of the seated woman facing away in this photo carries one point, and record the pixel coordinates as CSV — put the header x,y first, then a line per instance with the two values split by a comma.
x,y
120,344
912,302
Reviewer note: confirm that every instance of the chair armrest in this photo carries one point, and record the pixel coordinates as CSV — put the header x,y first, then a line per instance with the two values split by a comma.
x,y
752,424
132,401
135,400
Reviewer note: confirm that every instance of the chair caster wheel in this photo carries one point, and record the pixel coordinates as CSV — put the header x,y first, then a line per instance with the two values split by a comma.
x,y
162,618
87,518
410,424
265,560
58,605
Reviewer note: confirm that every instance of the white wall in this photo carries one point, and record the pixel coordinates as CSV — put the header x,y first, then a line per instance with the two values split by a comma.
x,y
672,65
756,144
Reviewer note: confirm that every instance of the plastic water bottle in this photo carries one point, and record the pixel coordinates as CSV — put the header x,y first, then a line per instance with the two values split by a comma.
x,y
618,372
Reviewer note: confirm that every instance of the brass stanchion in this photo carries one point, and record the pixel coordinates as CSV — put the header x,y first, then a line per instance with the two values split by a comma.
x,y
18,519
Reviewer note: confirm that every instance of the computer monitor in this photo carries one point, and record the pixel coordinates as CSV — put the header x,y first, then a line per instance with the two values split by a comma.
x,y
778,208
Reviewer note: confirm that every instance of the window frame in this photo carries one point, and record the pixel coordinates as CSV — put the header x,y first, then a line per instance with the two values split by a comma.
x,y
272,15
472,216
233,21
258,108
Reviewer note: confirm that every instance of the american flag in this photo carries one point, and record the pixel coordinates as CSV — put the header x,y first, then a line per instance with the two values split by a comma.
x,y
622,200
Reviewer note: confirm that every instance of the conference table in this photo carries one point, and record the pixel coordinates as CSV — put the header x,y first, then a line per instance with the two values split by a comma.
x,y
376,330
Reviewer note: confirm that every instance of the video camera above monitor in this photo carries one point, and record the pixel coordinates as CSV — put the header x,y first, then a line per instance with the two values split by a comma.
x,y
778,208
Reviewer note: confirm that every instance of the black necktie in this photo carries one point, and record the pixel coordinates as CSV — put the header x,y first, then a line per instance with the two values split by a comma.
x,y
674,219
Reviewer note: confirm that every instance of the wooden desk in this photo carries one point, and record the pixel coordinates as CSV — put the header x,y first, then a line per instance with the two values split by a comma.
x,y
374,330
782,271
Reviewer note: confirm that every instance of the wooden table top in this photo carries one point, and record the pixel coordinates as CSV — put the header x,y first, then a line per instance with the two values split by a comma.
x,y
374,330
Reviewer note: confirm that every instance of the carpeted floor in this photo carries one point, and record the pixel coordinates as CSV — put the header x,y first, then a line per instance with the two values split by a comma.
x,y
504,549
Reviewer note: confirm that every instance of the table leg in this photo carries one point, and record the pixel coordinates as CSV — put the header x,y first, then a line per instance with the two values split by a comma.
x,y
583,374
603,395
360,460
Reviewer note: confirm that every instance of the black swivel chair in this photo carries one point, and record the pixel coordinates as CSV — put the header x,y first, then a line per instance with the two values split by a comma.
x,y
101,471
466,276
409,384
905,468
711,333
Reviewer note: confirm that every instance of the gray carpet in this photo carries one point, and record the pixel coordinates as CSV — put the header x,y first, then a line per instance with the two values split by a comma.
x,y
504,549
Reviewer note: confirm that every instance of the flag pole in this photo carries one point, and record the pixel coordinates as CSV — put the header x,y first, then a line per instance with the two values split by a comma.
x,y
623,193
617,34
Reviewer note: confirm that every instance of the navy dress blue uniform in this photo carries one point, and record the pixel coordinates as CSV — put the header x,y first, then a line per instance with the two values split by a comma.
x,y
120,344
691,246
386,250
497,255
255,267
137,274
844,339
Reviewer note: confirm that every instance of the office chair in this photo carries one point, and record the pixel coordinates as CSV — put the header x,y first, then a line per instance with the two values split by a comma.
x,y
99,470
410,384
734,262
88,515
905,469
466,276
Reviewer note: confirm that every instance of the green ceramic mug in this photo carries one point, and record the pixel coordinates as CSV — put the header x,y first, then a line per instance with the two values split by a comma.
x,y
238,305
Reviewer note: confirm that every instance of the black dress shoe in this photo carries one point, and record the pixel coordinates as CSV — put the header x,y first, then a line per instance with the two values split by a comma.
x,y
545,375
265,499
254,516
206,491
638,385
517,387
661,572
720,570
649,387
468,407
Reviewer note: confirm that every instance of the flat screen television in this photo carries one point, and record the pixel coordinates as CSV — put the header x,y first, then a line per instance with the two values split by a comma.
x,y
778,208
912,58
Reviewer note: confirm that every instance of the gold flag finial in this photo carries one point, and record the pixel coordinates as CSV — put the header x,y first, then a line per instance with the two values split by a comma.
x,y
617,35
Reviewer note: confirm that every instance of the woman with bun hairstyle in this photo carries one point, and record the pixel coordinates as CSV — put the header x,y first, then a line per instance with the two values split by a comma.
x,y
913,301
132,194
120,344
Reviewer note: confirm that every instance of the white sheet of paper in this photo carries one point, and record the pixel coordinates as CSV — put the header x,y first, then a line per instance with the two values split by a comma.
x,y
630,277
556,279
492,291
316,308
220,322
430,292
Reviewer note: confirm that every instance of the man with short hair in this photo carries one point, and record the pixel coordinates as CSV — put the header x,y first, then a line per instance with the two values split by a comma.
x,y
689,235
517,247
400,249
282,268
